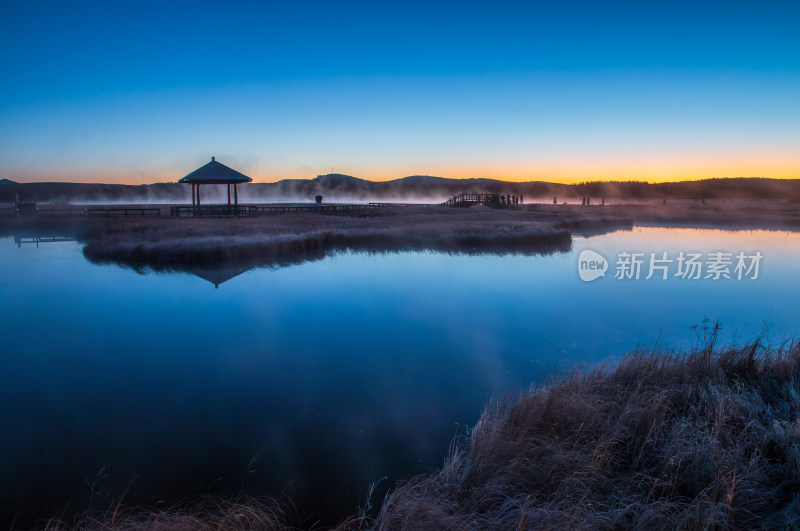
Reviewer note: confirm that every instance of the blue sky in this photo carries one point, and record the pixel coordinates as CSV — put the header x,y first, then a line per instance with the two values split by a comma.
x,y
145,91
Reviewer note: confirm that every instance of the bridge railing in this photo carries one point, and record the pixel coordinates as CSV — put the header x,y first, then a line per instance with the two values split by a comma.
x,y
109,212
467,199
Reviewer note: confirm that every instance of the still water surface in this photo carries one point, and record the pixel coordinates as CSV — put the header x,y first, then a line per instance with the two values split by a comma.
x,y
332,374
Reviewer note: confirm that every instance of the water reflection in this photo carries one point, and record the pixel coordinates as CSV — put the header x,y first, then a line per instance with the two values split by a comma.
x,y
218,265
36,240
338,371
276,252
217,275
35,237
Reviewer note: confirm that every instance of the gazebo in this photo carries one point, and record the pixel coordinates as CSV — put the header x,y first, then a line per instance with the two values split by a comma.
x,y
215,173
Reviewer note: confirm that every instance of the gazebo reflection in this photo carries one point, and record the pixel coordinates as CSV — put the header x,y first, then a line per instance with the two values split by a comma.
x,y
217,274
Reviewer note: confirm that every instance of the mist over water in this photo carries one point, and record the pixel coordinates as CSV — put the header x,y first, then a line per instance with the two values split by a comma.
x,y
414,189
333,373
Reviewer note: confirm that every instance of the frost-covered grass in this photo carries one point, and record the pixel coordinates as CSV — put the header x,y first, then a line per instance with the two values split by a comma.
x,y
280,239
206,514
704,439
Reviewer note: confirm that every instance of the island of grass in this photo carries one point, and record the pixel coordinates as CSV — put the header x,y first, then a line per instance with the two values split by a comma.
x,y
164,242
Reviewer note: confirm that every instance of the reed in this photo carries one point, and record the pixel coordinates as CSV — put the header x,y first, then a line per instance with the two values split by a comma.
x,y
704,439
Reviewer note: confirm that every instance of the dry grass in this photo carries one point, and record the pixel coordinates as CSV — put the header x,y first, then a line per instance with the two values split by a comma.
x,y
206,514
702,440
279,239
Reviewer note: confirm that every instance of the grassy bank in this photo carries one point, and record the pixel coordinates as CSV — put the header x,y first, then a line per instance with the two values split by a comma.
x,y
704,439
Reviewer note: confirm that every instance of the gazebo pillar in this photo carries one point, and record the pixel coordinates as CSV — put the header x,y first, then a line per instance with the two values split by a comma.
x,y
229,194
235,194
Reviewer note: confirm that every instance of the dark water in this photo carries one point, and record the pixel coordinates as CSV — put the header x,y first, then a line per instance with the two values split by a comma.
x,y
331,374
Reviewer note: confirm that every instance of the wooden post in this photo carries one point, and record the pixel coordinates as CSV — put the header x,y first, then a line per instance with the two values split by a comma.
x,y
229,194
235,194
198,194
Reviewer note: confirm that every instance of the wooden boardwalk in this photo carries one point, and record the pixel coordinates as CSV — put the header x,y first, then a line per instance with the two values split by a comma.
x,y
221,210
87,212
93,212
263,210
19,240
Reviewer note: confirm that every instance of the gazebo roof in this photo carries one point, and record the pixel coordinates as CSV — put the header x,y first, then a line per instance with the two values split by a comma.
x,y
215,173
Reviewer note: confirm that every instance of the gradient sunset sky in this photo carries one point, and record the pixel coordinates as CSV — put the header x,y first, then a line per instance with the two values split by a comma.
x,y
141,92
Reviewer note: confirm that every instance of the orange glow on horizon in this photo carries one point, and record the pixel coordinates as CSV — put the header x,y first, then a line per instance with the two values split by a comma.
x,y
567,173
125,180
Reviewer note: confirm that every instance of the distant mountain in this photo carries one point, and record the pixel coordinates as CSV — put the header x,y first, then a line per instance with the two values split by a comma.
x,y
7,181
342,188
422,180
335,180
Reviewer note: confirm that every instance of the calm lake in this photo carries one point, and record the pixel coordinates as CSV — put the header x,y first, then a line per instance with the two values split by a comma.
x,y
318,379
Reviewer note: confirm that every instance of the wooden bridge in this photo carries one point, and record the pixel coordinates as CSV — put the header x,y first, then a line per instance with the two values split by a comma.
x,y
468,199
20,239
